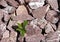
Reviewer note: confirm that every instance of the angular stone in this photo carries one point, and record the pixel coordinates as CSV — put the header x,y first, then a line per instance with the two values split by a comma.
x,y
54,26
35,38
3,3
35,5
13,3
30,10
59,26
20,39
27,1
11,23
0,34
2,30
52,37
6,34
34,23
1,15
40,12
5,40
32,31
6,17
51,16
3,27
48,28
9,9
21,10
22,14
42,23
33,34
22,1
22,17
54,4
13,36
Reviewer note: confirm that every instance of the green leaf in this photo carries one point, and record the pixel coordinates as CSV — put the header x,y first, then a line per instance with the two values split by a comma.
x,y
25,23
19,25
18,29
22,33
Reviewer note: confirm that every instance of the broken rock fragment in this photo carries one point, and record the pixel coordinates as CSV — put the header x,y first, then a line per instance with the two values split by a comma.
x,y
5,40
9,9
1,15
13,36
35,38
13,3
51,16
52,37
42,23
40,12
32,31
22,14
35,5
59,26
33,34
3,3
54,4
21,10
2,30
22,1
48,28
39,22
34,1
5,34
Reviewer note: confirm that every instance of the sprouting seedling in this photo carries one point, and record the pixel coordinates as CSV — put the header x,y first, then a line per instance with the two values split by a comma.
x,y
21,28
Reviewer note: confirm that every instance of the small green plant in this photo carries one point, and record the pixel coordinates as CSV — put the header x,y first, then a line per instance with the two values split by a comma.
x,y
21,28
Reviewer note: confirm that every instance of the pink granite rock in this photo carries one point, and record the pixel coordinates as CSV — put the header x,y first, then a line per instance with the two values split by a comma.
x,y
40,12
13,3
51,16
54,4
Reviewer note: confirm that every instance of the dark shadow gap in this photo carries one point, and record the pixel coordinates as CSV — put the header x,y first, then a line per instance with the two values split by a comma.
x,y
2,7
24,39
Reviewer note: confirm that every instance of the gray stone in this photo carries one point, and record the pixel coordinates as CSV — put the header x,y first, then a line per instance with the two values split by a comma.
x,y
9,9
22,1
35,5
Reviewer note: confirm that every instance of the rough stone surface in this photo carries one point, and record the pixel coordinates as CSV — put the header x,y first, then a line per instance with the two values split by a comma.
x,y
9,9
21,10
48,28
51,16
13,3
54,4
22,14
35,5
52,37
33,34
3,3
43,18
6,34
40,12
